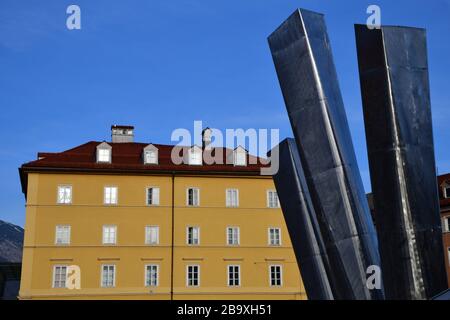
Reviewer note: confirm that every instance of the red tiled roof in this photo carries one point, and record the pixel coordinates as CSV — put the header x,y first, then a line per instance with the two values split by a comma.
x,y
127,158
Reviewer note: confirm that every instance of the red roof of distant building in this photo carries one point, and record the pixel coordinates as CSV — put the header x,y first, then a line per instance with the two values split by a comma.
x,y
442,179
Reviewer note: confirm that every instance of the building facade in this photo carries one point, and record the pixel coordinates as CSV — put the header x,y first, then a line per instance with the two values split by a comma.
x,y
121,220
444,200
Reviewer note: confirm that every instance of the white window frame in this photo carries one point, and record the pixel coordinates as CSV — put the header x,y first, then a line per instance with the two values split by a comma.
x,y
198,235
102,275
100,155
64,201
228,198
270,238
155,200
238,152
198,275
238,232
68,234
445,192
146,279
115,234
193,198
229,278
446,224
270,200
151,160
117,196
148,234
281,275
195,156
54,276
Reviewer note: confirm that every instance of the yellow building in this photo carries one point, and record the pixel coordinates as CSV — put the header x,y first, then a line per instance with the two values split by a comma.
x,y
120,220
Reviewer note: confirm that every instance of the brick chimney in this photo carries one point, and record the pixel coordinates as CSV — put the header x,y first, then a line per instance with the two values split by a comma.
x,y
121,134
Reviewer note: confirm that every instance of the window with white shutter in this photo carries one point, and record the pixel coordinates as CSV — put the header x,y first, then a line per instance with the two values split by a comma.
x,y
232,198
272,199
153,196
110,196
193,197
193,235
62,235
152,235
64,194
109,234
108,275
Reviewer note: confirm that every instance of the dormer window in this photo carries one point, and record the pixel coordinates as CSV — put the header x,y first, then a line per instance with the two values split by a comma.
x,y
104,151
151,157
104,155
195,156
240,156
150,154
446,191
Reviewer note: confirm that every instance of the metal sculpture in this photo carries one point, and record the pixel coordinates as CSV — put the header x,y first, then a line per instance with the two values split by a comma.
x,y
393,72
304,64
302,223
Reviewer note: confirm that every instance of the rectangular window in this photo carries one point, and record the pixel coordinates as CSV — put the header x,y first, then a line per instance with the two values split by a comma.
x,y
447,192
104,155
274,236
232,198
108,275
152,235
193,197
234,276
233,236
110,195
64,194
446,224
59,276
275,275
153,196
193,276
151,157
272,199
193,235
151,275
62,235
109,234
195,156
240,157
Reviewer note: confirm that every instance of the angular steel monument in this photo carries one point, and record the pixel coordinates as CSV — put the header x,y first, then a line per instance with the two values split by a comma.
x,y
306,72
393,72
302,223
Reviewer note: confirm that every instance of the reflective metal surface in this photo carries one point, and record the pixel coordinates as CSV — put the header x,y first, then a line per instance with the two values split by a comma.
x,y
396,100
302,223
305,68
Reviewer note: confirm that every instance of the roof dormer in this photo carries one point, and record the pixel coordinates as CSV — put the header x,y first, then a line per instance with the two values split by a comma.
x,y
446,189
194,156
150,154
240,156
104,153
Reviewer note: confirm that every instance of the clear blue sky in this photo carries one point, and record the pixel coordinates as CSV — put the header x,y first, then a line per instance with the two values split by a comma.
x,y
160,65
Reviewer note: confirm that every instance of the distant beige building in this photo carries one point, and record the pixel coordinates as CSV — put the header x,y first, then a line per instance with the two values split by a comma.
x,y
140,227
